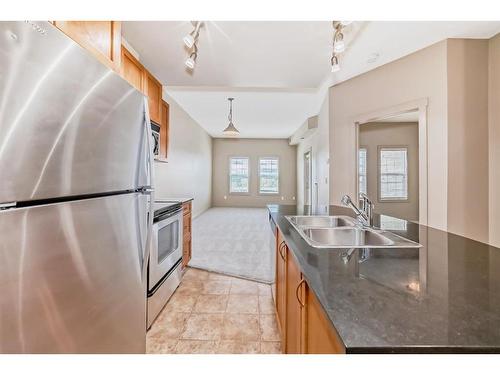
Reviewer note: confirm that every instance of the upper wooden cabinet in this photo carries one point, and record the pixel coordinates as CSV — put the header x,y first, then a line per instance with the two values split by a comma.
x,y
102,38
164,129
132,70
154,94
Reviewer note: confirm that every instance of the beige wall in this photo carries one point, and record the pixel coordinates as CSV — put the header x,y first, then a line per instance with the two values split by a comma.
x,y
253,148
188,172
416,76
468,138
318,143
375,134
494,140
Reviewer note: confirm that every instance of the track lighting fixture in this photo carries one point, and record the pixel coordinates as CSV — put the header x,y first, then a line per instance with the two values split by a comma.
x,y
191,40
338,43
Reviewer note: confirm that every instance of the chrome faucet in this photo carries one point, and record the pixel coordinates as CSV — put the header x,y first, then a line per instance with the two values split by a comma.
x,y
365,214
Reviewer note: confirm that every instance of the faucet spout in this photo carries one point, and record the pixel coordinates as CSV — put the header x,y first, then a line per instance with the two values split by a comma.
x,y
361,215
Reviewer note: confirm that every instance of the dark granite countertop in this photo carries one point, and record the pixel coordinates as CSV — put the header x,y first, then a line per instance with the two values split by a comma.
x,y
441,298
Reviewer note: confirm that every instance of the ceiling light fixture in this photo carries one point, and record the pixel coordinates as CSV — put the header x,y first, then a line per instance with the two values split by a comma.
x,y
338,43
191,40
191,60
230,130
335,63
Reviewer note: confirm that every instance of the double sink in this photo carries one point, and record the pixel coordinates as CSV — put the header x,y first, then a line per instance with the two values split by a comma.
x,y
345,232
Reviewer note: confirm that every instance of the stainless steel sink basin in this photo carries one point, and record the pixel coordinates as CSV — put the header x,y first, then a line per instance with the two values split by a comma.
x,y
347,237
322,221
345,232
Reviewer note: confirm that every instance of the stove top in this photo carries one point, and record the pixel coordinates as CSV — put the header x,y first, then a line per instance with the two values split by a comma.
x,y
162,207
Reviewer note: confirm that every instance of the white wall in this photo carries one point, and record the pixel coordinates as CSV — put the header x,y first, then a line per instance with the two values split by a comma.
x,y
416,76
188,172
318,142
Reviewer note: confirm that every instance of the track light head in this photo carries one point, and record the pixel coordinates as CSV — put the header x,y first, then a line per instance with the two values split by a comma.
x,y
335,64
191,60
338,43
188,40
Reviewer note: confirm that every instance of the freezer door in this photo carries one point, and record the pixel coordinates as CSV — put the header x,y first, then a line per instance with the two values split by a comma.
x,y
72,276
68,124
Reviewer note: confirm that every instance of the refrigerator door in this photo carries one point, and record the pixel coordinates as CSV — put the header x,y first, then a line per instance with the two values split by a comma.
x,y
72,276
69,126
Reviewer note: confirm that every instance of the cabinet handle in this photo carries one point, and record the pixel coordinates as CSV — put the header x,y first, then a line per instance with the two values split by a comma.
x,y
297,293
281,246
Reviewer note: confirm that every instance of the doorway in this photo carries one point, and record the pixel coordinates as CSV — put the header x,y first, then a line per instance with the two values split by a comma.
x,y
308,178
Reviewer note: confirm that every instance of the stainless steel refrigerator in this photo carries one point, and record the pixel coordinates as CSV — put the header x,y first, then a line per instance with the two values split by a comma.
x,y
76,198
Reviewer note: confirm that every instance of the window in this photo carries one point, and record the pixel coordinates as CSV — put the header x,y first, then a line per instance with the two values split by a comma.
x,y
362,171
392,223
268,175
393,173
238,175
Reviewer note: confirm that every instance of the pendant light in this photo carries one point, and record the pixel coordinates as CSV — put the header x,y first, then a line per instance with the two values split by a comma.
x,y
230,130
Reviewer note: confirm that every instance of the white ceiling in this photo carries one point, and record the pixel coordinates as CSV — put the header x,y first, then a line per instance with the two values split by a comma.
x,y
278,71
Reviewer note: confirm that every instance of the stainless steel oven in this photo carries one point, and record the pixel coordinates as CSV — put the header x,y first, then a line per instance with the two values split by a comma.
x,y
165,259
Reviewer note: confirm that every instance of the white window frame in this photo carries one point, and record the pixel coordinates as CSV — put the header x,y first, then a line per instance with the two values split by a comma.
x,y
279,175
366,169
229,175
392,199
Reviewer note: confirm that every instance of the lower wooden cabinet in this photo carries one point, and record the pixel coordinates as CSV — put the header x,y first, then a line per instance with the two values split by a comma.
x,y
319,335
280,300
186,244
294,307
304,326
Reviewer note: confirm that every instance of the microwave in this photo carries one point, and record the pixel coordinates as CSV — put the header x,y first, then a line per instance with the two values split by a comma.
x,y
155,131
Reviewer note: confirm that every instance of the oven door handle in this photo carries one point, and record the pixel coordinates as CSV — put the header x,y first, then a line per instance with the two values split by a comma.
x,y
167,216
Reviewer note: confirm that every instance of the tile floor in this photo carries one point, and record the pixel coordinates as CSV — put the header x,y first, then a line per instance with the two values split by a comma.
x,y
212,313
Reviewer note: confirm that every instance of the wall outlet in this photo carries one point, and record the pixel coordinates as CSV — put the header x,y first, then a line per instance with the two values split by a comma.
x,y
225,196
282,198
293,198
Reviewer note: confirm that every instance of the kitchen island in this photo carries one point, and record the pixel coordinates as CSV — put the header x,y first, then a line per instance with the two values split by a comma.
x,y
441,298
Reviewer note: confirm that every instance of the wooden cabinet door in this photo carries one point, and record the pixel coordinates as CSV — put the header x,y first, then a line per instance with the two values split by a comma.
x,y
132,70
164,129
102,38
153,91
294,304
320,337
280,301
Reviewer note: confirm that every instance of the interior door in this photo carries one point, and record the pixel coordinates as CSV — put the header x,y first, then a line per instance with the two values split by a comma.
x,y
72,276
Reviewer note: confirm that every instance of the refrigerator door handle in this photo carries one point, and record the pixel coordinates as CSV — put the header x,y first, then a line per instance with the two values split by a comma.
x,y
148,190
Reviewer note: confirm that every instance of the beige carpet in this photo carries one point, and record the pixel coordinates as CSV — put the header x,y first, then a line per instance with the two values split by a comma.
x,y
234,241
